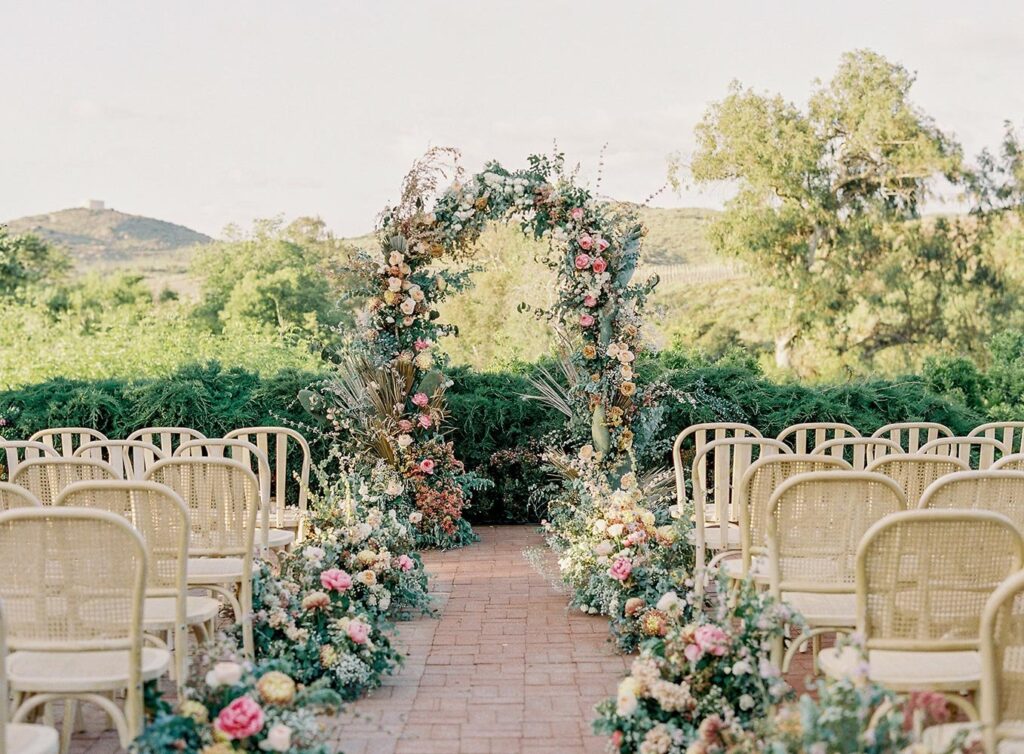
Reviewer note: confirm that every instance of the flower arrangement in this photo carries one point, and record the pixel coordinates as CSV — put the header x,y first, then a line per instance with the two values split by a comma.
x,y
232,706
620,551
708,679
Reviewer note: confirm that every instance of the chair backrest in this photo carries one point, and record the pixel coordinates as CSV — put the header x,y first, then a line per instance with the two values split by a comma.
x,y
65,440
757,485
1010,434
1002,663
912,435
46,478
997,490
73,580
977,452
166,438
804,438
222,497
701,435
913,472
816,522
157,513
923,577
15,452
16,496
859,452
283,446
129,458
245,453
1012,462
729,461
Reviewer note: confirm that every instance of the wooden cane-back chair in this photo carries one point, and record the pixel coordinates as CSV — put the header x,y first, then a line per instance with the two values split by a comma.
x,y
66,440
999,490
859,452
129,458
804,438
46,478
13,453
914,472
912,435
977,452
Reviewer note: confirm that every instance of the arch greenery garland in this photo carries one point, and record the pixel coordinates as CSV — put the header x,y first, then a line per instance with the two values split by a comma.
x,y
593,248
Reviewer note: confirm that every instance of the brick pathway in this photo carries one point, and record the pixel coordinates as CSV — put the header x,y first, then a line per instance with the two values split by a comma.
x,y
505,669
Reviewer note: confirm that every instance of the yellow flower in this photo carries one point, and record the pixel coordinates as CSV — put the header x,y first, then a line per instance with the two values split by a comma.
x,y
218,748
328,655
390,297
366,557
589,352
627,388
481,203
276,687
315,601
195,710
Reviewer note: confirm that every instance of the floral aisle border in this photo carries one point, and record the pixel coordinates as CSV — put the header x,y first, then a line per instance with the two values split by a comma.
x,y
387,402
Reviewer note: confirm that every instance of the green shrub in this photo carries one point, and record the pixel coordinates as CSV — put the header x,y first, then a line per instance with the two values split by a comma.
x,y
500,435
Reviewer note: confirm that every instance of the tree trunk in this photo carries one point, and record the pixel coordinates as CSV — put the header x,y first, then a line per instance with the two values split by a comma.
x,y
784,350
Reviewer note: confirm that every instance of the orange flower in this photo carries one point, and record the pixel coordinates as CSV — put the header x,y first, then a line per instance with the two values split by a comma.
x,y
589,352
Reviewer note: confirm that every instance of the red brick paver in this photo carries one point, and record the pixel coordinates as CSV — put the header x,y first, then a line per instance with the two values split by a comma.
x,y
505,668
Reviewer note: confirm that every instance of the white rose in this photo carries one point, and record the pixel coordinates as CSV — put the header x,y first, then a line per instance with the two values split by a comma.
x,y
404,441
416,293
670,603
604,549
615,530
746,702
396,258
366,578
626,702
363,531
394,488
224,674
279,738
600,526
314,554
394,284
408,306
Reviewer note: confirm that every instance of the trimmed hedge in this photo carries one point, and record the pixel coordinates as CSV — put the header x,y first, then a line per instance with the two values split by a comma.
x,y
487,413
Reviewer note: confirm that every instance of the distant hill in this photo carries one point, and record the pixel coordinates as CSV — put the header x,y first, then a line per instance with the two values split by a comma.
x,y
102,240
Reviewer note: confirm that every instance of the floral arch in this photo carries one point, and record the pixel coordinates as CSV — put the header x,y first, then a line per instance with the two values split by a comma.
x,y
390,390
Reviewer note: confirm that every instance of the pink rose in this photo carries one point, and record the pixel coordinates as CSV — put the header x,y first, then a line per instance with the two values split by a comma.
x,y
586,242
240,719
425,421
406,563
590,301
404,425
600,265
576,214
692,652
427,466
586,320
601,244
711,639
621,569
582,261
335,579
358,631
421,345
421,400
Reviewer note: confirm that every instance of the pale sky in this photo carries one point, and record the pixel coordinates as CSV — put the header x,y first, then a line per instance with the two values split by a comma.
x,y
208,112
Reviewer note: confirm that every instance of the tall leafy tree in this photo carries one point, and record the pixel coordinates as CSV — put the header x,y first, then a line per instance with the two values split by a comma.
x,y
827,212
27,260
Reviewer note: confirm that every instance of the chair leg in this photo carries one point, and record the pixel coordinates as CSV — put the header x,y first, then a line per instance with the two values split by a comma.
x,y
68,724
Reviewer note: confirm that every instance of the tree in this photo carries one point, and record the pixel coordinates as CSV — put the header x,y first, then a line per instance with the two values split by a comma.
x,y
827,212
27,260
284,278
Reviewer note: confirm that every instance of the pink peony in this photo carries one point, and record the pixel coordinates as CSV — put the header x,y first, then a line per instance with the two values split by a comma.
x,y
240,719
421,400
425,421
692,652
586,242
601,244
711,639
582,261
335,579
621,569
406,563
576,214
600,265
427,466
421,345
590,301
404,425
358,631
586,320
